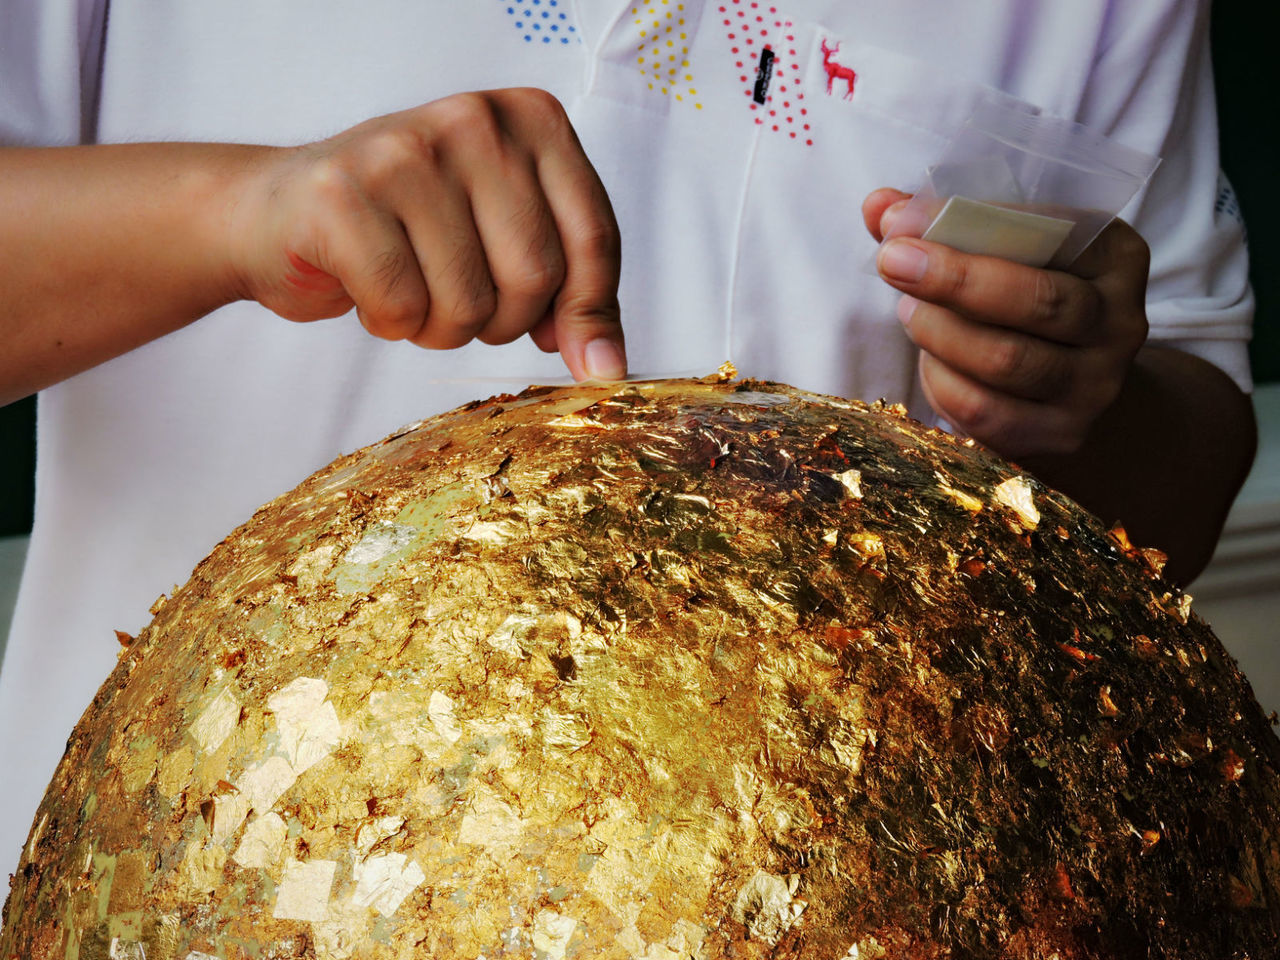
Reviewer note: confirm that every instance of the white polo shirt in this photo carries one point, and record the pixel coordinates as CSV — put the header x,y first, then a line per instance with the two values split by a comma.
x,y
741,227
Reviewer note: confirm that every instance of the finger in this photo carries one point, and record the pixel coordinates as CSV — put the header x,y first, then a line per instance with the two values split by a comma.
x,y
544,334
438,217
522,247
1011,426
1008,361
1117,263
588,327
372,257
876,205
1050,304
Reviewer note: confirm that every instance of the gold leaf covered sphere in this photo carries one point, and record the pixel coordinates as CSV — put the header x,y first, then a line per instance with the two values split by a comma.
x,y
682,670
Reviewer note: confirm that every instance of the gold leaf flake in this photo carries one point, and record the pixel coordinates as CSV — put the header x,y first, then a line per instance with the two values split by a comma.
x,y
229,811
308,724
573,421
375,831
1016,494
962,499
551,933
202,867
511,631
383,882
264,782
175,772
490,822
304,890
440,713
765,907
851,480
138,765
263,842
868,949
216,721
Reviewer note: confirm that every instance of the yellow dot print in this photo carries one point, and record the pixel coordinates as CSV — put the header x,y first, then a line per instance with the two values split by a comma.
x,y
658,23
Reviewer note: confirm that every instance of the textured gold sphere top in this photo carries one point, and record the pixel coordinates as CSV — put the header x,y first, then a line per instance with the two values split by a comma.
x,y
680,670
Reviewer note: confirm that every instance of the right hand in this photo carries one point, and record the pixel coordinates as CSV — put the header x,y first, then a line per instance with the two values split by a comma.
x,y
477,216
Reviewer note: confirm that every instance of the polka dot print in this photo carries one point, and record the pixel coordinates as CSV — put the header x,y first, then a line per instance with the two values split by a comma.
x,y
543,21
662,50
752,26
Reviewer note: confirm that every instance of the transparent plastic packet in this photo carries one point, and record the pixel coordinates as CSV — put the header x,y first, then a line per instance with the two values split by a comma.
x,y
1026,187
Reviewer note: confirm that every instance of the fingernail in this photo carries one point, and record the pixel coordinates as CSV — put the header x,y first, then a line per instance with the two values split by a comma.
x,y
903,261
604,360
907,308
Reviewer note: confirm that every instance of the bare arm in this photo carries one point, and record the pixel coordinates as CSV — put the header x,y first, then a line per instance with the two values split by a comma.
x,y
473,217
1167,458
105,248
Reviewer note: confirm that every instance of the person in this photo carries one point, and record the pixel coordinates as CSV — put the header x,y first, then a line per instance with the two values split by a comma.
x,y
536,176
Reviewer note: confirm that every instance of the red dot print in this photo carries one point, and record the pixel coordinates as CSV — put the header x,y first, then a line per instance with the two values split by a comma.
x,y
767,33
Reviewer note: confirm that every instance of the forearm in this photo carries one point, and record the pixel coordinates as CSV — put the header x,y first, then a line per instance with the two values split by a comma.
x,y
104,248
1166,460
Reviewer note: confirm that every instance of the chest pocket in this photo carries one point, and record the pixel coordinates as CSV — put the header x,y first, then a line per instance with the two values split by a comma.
x,y
806,304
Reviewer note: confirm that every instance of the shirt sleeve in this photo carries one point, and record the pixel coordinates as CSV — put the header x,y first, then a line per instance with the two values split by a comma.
x,y
50,64
1152,88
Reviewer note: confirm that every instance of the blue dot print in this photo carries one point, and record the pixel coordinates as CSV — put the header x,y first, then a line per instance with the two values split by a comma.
x,y
542,20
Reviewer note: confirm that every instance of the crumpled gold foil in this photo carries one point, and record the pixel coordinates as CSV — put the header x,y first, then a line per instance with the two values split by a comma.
x,y
680,670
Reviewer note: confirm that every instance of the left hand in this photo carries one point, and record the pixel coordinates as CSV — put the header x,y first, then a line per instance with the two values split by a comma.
x,y
1023,360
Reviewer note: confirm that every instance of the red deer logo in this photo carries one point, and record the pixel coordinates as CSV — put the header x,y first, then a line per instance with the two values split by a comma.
x,y
837,71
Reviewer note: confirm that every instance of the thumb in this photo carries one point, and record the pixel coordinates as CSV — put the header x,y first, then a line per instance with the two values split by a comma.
x,y
588,332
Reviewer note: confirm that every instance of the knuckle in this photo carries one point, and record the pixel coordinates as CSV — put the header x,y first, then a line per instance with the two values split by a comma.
x,y
538,269
598,239
1048,298
395,319
536,278
1132,247
466,118
1008,359
973,411
391,152
470,311
541,107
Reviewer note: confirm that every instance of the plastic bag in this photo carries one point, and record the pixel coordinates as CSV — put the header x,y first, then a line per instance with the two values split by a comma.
x,y
1024,187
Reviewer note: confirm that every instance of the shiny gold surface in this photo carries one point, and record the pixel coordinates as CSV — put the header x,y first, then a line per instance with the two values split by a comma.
x,y
663,671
